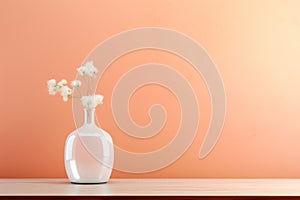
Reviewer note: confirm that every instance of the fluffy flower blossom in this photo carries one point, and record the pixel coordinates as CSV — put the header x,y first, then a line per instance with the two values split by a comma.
x,y
76,83
52,87
62,83
60,87
51,82
88,69
90,102
66,92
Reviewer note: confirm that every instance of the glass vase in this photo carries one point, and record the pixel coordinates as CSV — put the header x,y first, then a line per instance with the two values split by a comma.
x,y
89,153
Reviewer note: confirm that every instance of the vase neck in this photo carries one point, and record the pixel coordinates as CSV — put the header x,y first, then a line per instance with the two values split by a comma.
x,y
89,116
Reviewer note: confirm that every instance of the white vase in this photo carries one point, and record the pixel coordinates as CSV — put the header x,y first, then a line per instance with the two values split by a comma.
x,y
89,153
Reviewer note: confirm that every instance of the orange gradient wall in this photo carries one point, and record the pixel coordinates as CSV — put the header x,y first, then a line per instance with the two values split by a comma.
x,y
255,44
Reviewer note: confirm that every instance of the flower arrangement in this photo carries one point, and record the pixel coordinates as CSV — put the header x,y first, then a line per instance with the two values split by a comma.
x,y
88,71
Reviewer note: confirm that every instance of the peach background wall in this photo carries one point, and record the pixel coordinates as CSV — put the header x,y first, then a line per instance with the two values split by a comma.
x,y
255,45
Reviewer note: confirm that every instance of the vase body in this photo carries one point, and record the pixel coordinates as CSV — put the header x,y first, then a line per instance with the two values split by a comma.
x,y
89,153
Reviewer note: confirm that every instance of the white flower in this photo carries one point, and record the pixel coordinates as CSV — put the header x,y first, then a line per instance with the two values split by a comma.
x,y
76,83
90,102
52,90
66,92
82,71
99,99
51,82
88,69
52,87
92,70
62,83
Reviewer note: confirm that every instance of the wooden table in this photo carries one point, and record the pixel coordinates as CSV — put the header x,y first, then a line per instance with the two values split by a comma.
x,y
147,188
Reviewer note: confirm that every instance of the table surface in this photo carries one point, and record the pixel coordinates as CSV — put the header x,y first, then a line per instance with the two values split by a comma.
x,y
152,187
